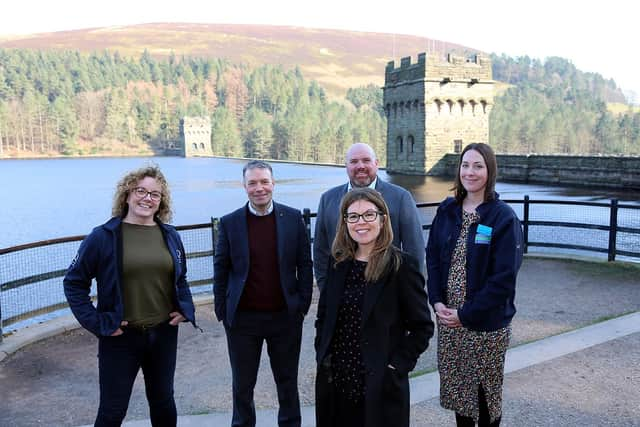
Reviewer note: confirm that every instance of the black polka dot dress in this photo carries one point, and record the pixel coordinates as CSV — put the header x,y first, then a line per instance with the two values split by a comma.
x,y
347,364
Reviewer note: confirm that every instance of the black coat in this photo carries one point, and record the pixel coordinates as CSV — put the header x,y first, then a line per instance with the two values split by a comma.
x,y
396,327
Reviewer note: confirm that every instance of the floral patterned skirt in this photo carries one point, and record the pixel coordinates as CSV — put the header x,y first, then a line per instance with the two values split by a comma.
x,y
466,360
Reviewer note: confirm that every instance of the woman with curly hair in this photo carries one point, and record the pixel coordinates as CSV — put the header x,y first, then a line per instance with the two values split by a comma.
x,y
138,262
373,321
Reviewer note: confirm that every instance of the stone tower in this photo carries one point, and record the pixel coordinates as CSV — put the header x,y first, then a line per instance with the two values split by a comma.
x,y
196,134
435,107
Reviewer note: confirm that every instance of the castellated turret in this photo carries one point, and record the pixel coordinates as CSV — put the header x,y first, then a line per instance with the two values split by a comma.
x,y
434,107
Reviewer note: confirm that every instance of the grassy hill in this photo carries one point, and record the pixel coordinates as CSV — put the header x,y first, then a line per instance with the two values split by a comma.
x,y
337,59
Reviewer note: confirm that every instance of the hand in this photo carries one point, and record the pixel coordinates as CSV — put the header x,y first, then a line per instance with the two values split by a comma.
x,y
439,307
449,317
176,318
119,331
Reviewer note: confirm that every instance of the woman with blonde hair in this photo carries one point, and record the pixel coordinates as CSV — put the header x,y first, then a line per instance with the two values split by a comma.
x,y
373,321
140,269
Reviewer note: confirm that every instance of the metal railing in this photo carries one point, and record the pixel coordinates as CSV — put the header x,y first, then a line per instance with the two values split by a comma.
x,y
615,226
31,274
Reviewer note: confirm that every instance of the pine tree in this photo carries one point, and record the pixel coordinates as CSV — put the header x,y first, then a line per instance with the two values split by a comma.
x,y
225,135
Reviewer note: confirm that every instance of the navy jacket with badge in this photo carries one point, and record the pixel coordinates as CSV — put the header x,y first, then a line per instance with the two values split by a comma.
x,y
100,257
494,255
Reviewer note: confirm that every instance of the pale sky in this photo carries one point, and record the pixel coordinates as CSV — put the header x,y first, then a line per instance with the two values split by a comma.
x,y
596,36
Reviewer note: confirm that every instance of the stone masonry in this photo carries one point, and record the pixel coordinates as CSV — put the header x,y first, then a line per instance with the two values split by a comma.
x,y
196,134
615,172
435,107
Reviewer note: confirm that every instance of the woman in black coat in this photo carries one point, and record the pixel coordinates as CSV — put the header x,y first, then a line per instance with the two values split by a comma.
x,y
373,321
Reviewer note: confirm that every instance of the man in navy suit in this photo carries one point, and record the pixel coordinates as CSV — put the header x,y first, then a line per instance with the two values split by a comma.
x,y
262,286
362,169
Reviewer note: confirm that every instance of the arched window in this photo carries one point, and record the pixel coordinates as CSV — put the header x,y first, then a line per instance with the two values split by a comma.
x,y
438,105
399,143
195,146
410,143
473,106
484,106
461,104
450,104
202,145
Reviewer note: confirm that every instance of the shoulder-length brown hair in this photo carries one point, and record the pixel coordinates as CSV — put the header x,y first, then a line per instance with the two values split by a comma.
x,y
492,170
384,255
130,181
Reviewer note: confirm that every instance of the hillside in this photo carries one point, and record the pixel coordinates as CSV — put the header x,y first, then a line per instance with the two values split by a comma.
x,y
286,93
336,59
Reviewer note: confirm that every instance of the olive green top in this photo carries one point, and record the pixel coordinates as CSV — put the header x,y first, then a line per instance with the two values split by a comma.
x,y
147,275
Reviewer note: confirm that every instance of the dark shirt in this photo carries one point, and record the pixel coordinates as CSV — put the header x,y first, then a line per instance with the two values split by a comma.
x,y
147,275
346,350
262,290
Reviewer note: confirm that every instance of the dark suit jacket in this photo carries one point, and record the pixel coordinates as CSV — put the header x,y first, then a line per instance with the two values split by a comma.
x,y
396,328
231,261
404,216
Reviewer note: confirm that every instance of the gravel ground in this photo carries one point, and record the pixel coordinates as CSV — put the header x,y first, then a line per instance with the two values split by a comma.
x,y
599,386
54,382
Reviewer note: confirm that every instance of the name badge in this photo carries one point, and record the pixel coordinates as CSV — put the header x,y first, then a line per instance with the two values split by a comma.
x,y
483,235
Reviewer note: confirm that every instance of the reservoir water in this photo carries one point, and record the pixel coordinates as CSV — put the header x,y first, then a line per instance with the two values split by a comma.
x,y
50,198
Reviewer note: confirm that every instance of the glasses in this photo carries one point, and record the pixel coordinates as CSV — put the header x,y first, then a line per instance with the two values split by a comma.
x,y
141,193
368,216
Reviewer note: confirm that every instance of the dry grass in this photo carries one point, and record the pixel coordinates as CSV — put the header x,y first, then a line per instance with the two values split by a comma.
x,y
620,108
337,59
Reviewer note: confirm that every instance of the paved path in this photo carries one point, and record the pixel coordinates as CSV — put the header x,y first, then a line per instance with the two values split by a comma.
x,y
426,387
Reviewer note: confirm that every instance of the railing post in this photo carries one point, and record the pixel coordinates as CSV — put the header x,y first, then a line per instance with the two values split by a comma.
x,y
306,216
525,223
0,317
214,241
613,229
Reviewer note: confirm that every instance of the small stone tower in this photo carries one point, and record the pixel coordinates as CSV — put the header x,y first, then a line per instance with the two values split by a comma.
x,y
435,107
196,136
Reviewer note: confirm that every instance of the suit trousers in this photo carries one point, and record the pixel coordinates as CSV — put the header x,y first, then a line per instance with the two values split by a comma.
x,y
283,335
119,360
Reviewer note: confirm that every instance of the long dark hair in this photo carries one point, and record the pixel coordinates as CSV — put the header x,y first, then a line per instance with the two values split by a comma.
x,y
383,255
492,170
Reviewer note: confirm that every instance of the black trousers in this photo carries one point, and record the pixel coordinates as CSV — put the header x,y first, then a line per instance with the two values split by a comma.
x,y
245,338
119,360
333,409
349,414
483,420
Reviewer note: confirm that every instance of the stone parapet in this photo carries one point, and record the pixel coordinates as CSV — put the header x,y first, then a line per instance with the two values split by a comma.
x,y
616,172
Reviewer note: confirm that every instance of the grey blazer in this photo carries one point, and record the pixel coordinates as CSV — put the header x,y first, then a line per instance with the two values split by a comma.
x,y
405,221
